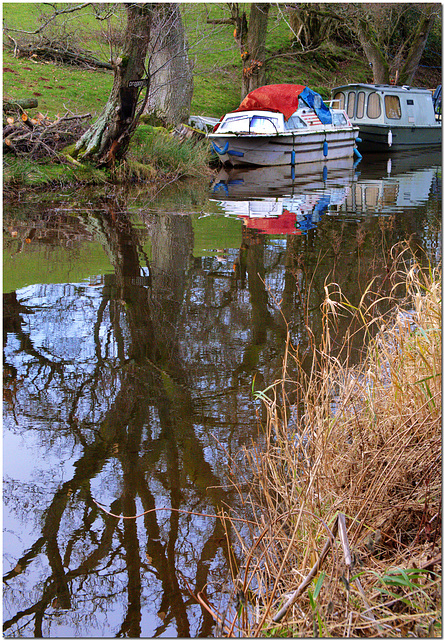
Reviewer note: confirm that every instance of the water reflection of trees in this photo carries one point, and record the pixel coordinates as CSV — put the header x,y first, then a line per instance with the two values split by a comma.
x,y
132,377
120,400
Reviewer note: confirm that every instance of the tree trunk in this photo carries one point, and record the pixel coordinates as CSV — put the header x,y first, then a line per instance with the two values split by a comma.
x,y
171,87
408,70
108,138
253,58
373,53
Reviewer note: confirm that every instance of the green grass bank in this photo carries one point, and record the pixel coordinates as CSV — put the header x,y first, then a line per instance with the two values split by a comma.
x,y
63,89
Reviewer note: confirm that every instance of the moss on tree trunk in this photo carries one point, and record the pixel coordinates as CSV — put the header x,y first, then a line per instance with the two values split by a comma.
x,y
108,138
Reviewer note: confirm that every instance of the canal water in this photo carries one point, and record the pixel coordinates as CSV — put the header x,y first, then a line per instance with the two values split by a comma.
x,y
137,328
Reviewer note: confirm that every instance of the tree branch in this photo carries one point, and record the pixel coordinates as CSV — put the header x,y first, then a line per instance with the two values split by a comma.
x,y
57,12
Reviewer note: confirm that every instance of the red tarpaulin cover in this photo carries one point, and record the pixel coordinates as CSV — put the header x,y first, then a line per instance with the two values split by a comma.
x,y
284,224
273,97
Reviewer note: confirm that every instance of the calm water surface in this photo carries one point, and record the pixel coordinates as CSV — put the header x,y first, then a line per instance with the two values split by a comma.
x,y
134,331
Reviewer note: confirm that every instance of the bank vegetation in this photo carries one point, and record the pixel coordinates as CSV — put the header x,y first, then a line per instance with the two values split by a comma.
x,y
95,85
341,495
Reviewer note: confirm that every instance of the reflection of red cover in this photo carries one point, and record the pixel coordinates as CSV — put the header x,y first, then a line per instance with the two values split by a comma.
x,y
273,97
284,224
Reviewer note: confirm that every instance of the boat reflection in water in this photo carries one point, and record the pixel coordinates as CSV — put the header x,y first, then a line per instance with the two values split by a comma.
x,y
398,183
273,200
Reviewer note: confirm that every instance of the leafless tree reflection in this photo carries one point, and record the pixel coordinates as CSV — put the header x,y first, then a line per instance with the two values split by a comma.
x,y
128,416
132,390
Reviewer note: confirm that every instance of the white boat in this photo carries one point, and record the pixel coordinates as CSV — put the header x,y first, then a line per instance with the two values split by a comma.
x,y
284,124
390,118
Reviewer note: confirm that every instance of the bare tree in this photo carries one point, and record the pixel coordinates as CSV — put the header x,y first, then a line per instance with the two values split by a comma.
x,y
250,35
171,84
392,35
308,24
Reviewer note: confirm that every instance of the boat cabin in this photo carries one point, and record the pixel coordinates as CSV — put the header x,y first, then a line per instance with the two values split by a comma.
x,y
389,117
272,123
385,104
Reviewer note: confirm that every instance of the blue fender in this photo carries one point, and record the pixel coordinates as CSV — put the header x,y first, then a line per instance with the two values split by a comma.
x,y
218,149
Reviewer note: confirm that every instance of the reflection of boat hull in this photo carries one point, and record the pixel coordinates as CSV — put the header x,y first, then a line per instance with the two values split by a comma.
x,y
285,149
266,199
279,180
382,164
390,194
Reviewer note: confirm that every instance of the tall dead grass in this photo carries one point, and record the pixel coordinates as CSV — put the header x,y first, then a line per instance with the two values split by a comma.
x,y
344,503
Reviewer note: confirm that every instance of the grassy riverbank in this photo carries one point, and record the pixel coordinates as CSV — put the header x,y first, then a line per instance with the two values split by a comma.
x,y
345,500
217,69
217,65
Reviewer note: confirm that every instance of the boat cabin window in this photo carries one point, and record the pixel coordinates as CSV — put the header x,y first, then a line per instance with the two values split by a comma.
x,y
373,105
260,124
246,124
351,104
340,97
392,107
360,105
338,119
236,124
294,122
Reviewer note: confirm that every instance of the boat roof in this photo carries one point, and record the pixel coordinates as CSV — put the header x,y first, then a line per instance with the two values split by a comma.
x,y
383,87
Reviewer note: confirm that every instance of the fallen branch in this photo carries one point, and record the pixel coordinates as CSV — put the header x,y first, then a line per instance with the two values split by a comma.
x,y
13,106
305,583
62,52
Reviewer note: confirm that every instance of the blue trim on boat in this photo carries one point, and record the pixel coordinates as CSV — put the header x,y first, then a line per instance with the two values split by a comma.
x,y
218,149
234,153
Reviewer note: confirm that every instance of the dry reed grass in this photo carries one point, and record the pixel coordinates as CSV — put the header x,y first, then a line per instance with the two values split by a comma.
x,y
344,502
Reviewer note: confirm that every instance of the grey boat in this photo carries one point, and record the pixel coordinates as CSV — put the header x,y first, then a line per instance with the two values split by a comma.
x,y
391,118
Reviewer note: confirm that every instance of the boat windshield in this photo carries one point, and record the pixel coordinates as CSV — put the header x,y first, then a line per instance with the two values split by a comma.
x,y
248,124
236,124
261,124
338,118
294,122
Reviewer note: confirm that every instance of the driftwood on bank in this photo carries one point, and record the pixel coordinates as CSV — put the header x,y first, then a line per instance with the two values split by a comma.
x,y
39,137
